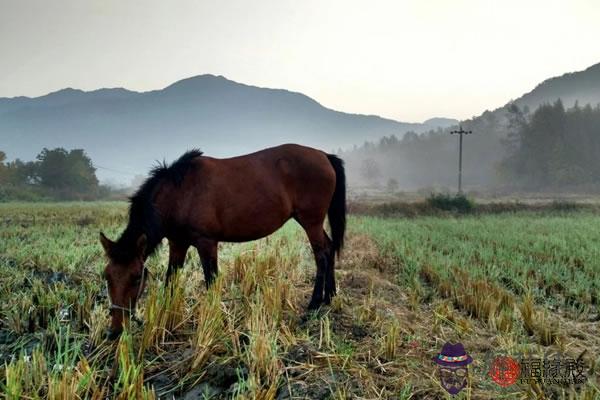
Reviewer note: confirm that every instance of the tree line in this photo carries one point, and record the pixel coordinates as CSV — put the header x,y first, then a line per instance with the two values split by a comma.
x,y
549,149
553,148
56,174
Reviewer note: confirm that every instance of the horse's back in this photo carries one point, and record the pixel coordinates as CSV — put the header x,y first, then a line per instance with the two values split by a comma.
x,y
250,196
295,166
303,172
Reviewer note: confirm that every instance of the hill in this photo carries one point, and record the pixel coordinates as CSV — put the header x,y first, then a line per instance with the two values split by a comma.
x,y
581,86
430,160
126,131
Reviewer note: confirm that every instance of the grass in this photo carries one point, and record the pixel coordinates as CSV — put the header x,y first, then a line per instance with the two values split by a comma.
x,y
554,257
445,205
525,282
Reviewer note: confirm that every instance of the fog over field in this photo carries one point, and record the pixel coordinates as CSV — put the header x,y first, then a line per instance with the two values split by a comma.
x,y
546,140
124,132
225,118
127,131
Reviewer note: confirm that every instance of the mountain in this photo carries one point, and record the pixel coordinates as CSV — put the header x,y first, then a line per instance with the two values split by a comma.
x,y
420,161
581,86
435,123
125,131
486,147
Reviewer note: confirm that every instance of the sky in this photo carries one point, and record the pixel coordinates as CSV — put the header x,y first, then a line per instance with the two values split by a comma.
x,y
406,60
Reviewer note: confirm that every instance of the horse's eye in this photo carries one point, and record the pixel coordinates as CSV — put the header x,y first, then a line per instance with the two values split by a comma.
x,y
137,280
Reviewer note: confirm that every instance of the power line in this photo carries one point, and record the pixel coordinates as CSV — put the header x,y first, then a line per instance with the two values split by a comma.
x,y
115,170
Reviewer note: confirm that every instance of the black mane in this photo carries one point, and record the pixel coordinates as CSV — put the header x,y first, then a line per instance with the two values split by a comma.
x,y
143,216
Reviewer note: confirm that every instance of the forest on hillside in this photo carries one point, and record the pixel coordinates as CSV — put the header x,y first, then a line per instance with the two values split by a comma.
x,y
551,149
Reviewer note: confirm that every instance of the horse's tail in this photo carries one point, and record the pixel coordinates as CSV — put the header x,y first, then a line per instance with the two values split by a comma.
x,y
337,208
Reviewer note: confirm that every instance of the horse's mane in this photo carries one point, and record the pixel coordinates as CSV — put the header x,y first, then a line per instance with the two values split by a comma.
x,y
143,216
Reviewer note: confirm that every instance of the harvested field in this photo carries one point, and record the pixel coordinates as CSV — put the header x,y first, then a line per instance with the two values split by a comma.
x,y
518,283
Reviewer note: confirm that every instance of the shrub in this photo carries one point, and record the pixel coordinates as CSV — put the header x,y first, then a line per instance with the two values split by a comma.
x,y
447,202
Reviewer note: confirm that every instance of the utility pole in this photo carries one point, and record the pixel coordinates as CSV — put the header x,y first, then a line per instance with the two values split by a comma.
x,y
460,132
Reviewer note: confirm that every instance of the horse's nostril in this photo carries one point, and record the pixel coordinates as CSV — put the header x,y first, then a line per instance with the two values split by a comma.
x,y
112,335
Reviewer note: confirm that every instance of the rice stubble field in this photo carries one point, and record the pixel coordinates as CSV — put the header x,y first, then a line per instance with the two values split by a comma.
x,y
511,283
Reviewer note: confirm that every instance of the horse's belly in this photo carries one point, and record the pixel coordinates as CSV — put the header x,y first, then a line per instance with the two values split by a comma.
x,y
251,231
253,222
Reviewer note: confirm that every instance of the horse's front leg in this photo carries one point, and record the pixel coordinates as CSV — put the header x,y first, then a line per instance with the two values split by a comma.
x,y
177,252
207,250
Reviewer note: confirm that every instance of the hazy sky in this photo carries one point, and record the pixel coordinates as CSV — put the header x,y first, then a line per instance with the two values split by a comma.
x,y
408,60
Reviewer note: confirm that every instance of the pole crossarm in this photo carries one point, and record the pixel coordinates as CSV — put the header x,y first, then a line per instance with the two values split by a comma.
x,y
461,131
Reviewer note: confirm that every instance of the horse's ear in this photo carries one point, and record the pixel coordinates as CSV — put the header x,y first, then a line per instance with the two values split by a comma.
x,y
141,245
106,243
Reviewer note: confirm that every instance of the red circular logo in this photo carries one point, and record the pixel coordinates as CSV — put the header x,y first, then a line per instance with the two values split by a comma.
x,y
504,371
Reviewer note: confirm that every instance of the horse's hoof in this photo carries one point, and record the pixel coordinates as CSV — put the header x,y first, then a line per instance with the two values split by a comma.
x,y
112,335
314,305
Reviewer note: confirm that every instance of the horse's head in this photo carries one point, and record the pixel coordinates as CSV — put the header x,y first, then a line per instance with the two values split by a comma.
x,y
125,277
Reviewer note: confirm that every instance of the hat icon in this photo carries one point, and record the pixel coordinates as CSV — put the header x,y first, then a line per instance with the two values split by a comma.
x,y
453,355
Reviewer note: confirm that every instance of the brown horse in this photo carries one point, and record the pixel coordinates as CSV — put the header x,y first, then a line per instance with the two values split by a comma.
x,y
200,201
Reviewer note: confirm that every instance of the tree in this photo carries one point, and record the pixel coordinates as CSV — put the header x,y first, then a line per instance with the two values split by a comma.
x,y
15,172
553,148
64,170
56,173
370,171
3,168
392,185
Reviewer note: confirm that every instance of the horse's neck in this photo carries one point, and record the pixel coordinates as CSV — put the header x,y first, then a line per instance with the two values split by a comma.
x,y
135,229
145,217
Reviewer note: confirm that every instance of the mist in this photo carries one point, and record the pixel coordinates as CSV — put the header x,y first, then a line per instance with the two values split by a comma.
x,y
124,133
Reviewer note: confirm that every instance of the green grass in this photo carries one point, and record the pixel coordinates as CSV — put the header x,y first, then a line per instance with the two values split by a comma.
x,y
510,282
554,257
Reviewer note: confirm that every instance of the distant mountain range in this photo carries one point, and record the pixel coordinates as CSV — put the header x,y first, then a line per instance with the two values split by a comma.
x,y
124,132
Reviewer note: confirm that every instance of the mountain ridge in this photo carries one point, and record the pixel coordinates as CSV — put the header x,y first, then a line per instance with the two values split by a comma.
x,y
221,116
582,86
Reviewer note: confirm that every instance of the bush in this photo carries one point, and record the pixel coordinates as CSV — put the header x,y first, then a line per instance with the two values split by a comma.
x,y
562,205
21,193
444,201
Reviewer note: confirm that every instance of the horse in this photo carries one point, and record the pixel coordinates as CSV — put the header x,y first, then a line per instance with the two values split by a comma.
x,y
200,201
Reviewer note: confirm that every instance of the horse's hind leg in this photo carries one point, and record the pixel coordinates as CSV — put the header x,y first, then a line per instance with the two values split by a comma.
x,y
207,250
177,252
330,289
319,243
